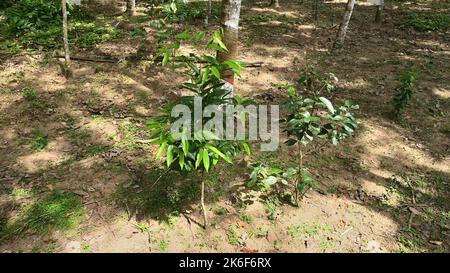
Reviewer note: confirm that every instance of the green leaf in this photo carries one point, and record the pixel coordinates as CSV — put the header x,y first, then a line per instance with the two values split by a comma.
x,y
276,171
206,159
169,157
165,58
290,142
292,92
269,181
185,145
328,104
215,72
199,158
181,160
210,135
161,150
219,153
246,148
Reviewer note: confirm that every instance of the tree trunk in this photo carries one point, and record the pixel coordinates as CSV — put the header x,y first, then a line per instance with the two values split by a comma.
x,y
131,7
208,15
66,67
379,14
316,9
231,10
202,201
277,3
344,25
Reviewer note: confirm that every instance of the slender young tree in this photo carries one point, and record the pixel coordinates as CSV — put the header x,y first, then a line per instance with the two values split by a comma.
x,y
131,7
66,67
340,37
231,10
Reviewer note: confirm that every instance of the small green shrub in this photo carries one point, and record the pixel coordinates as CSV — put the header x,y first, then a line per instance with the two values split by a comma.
x,y
404,91
29,15
177,11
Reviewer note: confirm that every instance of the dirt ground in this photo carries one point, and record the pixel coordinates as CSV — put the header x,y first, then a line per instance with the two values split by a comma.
x,y
385,190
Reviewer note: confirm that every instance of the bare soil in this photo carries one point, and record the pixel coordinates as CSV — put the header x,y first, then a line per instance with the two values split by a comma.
x,y
368,187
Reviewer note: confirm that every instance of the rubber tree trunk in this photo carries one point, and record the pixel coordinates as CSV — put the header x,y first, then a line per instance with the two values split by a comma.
x,y
66,67
131,7
379,14
208,15
315,9
231,10
276,2
340,37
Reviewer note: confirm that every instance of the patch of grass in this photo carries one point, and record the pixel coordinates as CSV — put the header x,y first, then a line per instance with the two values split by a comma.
x,y
80,135
18,193
58,211
246,218
130,134
29,94
429,22
96,149
271,205
326,244
262,231
220,210
310,230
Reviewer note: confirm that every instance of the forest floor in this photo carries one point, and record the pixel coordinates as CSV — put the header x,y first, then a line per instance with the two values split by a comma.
x,y
75,175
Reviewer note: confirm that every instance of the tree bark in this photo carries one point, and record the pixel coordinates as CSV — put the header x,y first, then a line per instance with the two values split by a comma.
x,y
276,2
208,15
379,14
131,7
344,25
231,10
66,67
316,9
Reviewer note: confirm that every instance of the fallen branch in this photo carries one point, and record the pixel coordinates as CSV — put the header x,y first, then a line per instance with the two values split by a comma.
x,y
255,64
87,59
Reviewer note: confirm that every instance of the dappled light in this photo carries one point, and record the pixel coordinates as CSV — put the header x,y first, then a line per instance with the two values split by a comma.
x,y
88,161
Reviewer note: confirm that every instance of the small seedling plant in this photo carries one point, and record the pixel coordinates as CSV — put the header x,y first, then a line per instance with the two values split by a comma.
x,y
196,151
312,119
404,91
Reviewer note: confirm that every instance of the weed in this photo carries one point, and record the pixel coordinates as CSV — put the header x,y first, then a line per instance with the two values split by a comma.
x,y
233,235
143,228
85,248
163,245
220,210
246,218
40,140
404,91
262,231
428,22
